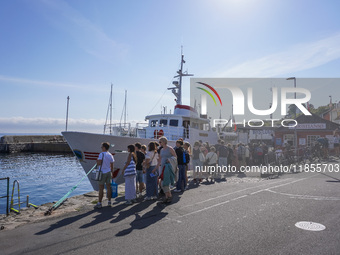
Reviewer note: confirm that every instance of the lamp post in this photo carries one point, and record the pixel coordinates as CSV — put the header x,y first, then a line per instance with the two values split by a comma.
x,y
68,101
295,133
330,107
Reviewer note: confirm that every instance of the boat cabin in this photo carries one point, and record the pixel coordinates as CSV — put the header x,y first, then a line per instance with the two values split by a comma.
x,y
178,125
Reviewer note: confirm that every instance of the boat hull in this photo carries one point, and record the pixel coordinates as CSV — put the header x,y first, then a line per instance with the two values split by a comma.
x,y
87,146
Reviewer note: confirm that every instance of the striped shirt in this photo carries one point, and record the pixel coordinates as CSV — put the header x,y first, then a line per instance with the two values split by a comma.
x,y
131,168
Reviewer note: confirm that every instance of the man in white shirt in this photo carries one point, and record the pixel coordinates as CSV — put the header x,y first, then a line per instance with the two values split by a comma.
x,y
105,163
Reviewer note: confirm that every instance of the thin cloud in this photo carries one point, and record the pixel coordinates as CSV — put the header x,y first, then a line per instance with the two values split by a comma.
x,y
87,34
297,58
52,125
48,121
32,82
39,82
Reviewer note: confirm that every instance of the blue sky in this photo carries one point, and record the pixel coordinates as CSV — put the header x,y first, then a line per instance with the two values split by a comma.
x,y
51,49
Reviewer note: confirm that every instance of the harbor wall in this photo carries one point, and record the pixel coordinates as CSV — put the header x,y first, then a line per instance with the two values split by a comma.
x,y
34,143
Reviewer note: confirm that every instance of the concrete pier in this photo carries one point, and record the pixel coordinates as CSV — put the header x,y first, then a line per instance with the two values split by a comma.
x,y
34,143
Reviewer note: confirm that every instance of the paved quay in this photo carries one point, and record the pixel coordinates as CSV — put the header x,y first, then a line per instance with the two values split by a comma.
x,y
239,216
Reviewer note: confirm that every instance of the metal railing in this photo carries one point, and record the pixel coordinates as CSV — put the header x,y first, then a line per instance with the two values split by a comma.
x,y
7,196
28,204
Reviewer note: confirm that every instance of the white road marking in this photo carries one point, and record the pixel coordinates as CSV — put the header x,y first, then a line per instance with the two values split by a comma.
x,y
237,191
225,202
306,196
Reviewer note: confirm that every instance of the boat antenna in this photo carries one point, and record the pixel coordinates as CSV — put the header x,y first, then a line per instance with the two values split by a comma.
x,y
177,90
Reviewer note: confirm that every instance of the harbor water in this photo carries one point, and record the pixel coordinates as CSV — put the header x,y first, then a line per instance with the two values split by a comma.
x,y
44,177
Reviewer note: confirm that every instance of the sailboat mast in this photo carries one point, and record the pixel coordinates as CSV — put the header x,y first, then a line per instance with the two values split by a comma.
x,y
111,110
125,109
123,113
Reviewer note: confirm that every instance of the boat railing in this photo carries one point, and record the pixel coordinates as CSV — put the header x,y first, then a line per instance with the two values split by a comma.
x,y
118,129
125,129
142,130
7,194
170,132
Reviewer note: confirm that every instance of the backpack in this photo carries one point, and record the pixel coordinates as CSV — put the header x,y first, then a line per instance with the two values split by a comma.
x,y
259,151
223,150
186,157
240,152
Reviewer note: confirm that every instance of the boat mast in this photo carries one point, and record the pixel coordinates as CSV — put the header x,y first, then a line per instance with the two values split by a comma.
x,y
109,110
124,112
177,90
125,108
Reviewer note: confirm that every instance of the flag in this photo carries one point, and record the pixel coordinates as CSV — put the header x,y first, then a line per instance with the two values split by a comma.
x,y
234,122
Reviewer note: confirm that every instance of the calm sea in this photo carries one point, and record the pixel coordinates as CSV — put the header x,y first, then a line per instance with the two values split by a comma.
x,y
44,177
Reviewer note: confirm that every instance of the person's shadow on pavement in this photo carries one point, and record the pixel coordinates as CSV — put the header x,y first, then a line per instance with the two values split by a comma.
x,y
110,213
141,222
65,222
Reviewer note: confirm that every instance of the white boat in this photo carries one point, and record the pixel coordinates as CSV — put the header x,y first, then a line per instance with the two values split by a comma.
x,y
185,122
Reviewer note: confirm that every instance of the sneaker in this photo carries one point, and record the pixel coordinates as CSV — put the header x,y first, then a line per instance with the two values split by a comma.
x,y
128,202
109,203
176,191
186,188
147,198
154,198
98,205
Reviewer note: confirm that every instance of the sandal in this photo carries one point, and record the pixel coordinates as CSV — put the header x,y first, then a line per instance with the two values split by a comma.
x,y
167,200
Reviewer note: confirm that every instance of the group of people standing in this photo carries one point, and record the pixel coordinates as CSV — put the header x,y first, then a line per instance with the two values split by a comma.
x,y
154,167
157,167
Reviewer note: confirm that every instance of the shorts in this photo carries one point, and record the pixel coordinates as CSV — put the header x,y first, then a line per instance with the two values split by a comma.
x,y
140,176
106,178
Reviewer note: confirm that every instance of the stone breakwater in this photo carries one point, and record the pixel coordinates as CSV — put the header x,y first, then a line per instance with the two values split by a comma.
x,y
34,143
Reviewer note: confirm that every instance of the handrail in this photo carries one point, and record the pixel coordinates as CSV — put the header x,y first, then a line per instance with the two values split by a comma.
x,y
28,204
7,196
12,198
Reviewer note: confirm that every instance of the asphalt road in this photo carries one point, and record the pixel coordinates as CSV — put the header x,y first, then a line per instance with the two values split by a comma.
x,y
243,217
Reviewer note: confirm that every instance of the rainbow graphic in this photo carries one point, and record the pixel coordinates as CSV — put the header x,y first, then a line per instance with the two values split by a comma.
x,y
209,93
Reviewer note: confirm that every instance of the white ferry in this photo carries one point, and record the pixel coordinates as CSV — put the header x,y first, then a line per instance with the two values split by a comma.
x,y
185,122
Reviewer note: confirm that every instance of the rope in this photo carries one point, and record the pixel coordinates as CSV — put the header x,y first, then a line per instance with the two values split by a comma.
x,y
170,83
61,200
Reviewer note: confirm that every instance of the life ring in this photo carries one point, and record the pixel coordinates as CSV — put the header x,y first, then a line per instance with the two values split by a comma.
x,y
158,133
